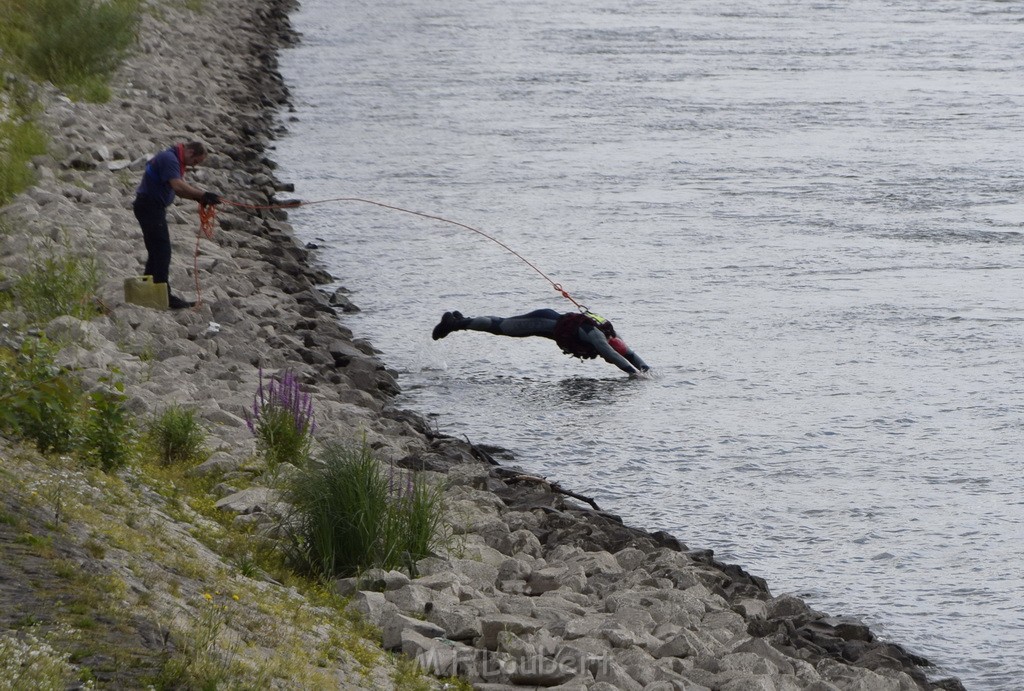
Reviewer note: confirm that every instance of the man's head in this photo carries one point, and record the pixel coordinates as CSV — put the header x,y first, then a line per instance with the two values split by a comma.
x,y
195,153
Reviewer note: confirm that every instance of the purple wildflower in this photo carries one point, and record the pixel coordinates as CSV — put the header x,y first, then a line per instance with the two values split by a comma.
x,y
286,395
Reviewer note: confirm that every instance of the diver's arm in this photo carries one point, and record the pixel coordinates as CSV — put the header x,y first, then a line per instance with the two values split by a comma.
x,y
636,360
596,338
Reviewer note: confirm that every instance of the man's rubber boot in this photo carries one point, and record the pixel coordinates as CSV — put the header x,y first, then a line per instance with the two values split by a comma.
x,y
176,303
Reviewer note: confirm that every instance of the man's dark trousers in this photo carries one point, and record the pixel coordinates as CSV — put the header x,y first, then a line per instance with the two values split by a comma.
x,y
152,216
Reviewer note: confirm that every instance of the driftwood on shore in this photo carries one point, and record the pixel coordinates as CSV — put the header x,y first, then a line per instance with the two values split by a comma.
x,y
514,476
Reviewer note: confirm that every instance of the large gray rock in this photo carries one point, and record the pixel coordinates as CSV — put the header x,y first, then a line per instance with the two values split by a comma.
x,y
481,605
483,553
433,655
395,624
790,607
459,623
538,670
254,500
634,618
630,558
596,562
444,580
570,577
418,600
68,329
519,542
493,624
219,463
564,601
514,569
688,643
514,646
760,647
516,603
373,607
621,637
381,580
611,672
850,677
481,576
747,662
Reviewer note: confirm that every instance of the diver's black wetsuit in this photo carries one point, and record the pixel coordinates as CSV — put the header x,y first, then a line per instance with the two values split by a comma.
x,y
542,323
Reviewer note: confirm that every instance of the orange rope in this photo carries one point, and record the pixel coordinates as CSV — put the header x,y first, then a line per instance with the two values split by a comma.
x,y
207,218
195,273
207,214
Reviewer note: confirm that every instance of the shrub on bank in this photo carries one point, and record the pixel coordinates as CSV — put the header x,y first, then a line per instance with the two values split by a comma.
x,y
75,44
350,515
38,400
42,402
45,404
108,431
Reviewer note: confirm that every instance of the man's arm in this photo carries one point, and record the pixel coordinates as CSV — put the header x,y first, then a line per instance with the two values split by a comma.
x,y
183,189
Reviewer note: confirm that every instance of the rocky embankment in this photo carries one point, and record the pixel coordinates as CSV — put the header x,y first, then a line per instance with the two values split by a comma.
x,y
536,588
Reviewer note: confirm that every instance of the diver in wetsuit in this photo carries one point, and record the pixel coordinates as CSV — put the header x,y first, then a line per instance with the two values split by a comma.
x,y
583,335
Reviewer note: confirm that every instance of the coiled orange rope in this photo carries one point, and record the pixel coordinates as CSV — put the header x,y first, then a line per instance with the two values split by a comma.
x,y
207,218
208,214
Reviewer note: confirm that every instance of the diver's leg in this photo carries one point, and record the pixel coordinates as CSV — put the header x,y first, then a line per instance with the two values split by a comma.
x,y
537,323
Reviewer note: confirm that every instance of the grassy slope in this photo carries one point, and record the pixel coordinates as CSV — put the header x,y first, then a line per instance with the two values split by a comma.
x,y
117,573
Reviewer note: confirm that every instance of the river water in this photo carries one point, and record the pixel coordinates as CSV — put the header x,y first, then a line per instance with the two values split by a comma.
x,y
806,216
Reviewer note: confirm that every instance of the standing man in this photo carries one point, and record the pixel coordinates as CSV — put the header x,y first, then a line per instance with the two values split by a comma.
x,y
164,178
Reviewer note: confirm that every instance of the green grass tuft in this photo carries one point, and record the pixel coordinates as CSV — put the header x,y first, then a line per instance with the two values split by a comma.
x,y
351,515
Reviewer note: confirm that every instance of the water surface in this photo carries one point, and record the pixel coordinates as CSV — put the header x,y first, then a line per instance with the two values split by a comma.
x,y
805,215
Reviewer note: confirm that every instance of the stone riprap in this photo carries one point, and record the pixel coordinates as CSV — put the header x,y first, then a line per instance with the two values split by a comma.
x,y
533,589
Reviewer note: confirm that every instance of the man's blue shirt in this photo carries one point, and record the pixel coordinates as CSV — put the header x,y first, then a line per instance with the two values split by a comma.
x,y
160,170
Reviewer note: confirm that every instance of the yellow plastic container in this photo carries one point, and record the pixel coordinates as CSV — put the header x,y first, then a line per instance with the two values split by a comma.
x,y
140,290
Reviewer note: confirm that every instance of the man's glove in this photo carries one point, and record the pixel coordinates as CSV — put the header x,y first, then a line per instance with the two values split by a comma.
x,y
209,199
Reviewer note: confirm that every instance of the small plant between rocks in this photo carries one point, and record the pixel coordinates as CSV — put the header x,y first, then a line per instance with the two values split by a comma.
x,y
58,283
207,649
108,431
20,139
175,436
